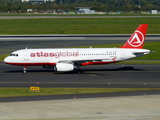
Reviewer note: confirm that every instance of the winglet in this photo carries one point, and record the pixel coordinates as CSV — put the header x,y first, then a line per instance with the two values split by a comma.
x,y
137,38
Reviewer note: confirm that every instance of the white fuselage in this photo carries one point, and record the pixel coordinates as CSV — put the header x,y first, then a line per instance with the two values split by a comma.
x,y
82,56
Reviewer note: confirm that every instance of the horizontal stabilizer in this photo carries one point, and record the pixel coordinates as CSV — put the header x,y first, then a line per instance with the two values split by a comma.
x,y
143,51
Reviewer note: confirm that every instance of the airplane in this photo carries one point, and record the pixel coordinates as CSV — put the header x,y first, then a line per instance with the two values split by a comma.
x,y
70,59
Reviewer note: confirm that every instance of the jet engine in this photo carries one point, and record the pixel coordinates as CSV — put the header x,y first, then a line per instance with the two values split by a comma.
x,y
64,67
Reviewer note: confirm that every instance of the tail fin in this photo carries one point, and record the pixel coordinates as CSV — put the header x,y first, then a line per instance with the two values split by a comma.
x,y
137,38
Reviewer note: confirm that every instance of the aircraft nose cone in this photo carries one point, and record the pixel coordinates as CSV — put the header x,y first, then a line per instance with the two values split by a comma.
x,y
7,59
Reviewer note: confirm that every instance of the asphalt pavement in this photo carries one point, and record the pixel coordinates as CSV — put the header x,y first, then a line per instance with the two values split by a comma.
x,y
139,105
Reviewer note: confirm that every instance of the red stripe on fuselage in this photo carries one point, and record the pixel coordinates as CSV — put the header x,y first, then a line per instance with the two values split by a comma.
x,y
96,63
41,64
30,64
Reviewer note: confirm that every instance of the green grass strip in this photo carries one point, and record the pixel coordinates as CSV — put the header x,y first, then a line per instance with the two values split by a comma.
x,y
78,25
14,92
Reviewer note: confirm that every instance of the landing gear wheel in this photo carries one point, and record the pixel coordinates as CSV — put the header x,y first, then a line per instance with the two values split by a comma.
x,y
24,71
79,71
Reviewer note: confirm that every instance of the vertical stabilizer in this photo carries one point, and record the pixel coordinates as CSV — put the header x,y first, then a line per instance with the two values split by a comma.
x,y
137,38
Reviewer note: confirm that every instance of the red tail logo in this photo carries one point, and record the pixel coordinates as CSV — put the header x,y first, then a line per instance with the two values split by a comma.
x,y
137,38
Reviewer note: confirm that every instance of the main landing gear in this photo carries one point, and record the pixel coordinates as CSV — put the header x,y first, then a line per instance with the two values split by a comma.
x,y
78,71
24,69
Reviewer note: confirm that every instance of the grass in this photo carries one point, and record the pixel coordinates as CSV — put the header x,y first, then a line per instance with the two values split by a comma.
x,y
153,46
3,56
77,25
139,62
14,92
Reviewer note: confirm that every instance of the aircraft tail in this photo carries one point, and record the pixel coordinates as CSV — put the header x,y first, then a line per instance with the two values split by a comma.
x,y
137,38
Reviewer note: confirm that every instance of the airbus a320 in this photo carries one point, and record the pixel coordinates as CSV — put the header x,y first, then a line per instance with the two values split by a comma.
x,y
70,59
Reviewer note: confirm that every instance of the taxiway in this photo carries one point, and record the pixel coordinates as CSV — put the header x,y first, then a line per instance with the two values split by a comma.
x,y
139,105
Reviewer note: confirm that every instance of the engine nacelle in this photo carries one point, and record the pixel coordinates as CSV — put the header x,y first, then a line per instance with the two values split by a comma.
x,y
64,67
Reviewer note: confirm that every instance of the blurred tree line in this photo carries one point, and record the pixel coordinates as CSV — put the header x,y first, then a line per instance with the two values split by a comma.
x,y
69,5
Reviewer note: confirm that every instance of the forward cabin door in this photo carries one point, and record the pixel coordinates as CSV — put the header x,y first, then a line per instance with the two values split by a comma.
x,y
26,57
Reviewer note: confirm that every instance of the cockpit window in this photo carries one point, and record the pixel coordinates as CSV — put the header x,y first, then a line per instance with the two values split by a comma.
x,y
14,55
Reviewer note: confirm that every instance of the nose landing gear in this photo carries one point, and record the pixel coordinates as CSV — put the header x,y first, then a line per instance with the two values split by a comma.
x,y
24,69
